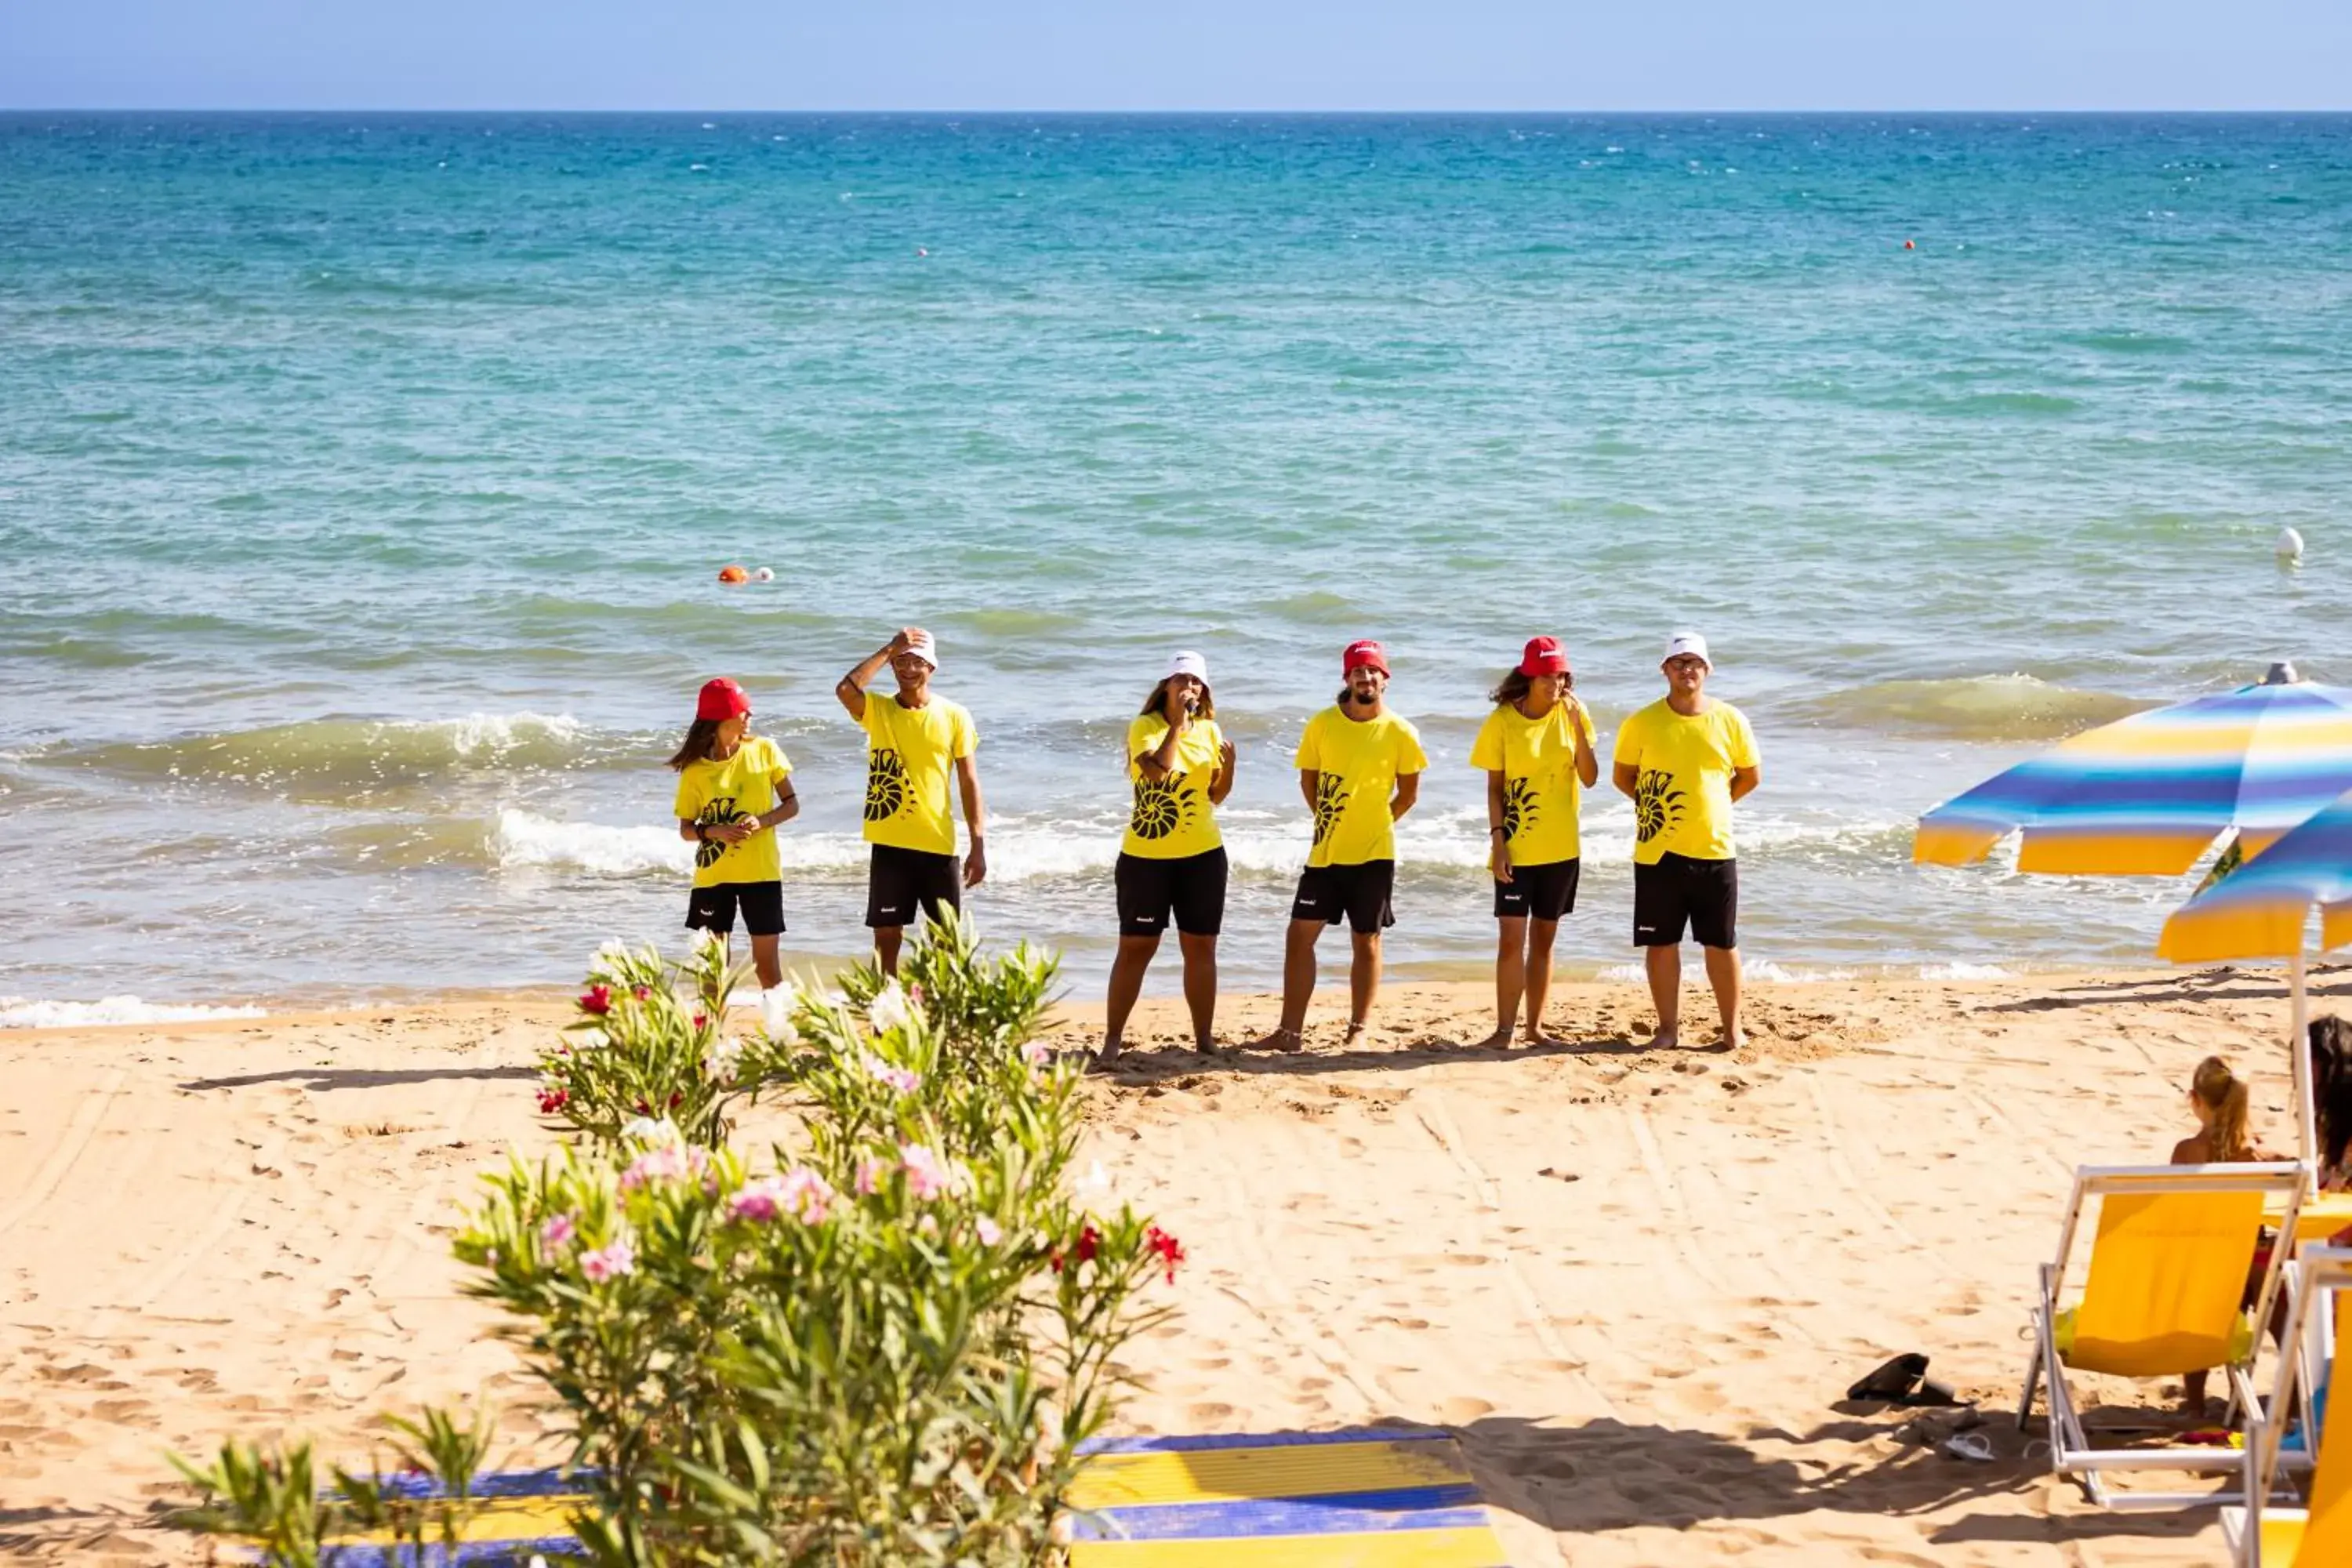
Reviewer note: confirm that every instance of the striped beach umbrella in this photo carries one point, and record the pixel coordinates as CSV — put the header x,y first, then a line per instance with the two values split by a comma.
x,y
2263,910
2145,796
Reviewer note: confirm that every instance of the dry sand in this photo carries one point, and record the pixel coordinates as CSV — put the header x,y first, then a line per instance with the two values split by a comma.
x,y
1636,1284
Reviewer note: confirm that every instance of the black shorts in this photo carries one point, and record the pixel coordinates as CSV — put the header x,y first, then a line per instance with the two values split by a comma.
x,y
1193,886
1542,893
902,883
1705,894
713,909
1358,893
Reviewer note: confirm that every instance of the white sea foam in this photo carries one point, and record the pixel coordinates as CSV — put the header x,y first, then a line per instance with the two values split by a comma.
x,y
526,839
1963,971
1758,971
25,1013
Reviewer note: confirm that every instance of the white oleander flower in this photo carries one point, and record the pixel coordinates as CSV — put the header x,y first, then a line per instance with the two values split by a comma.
x,y
889,1010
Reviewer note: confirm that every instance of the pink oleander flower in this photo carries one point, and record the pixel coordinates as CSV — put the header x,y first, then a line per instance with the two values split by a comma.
x,y
665,1163
642,993
800,1193
870,1172
897,1079
928,1176
610,1261
557,1232
1036,1053
990,1232
596,999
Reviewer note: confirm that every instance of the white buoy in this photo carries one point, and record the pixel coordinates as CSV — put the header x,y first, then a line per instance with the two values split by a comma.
x,y
2290,545
762,574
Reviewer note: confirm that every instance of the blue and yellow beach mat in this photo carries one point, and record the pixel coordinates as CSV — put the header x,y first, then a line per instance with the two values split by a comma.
x,y
1365,1499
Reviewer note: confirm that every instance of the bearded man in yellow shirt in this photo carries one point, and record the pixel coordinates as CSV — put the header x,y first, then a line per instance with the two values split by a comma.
x,y
913,742
1360,767
1683,760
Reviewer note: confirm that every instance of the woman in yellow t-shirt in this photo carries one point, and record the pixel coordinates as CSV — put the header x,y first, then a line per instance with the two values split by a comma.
x,y
1172,861
733,790
1537,750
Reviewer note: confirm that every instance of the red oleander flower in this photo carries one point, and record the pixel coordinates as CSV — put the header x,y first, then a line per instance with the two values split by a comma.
x,y
1170,1250
596,999
642,993
551,1101
676,1094
644,1110
700,1019
1089,1242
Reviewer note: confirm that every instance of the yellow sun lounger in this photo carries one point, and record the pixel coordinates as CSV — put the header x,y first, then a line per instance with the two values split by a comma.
x,y
2318,1536
2162,1295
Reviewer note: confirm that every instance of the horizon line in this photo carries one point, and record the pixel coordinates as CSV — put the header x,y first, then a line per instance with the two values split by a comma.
x,y
1161,112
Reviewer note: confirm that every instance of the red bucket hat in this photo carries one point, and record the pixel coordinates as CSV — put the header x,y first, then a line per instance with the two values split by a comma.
x,y
1359,654
1544,656
721,700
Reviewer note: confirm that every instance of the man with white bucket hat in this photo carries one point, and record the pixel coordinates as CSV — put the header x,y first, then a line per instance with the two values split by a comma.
x,y
1683,760
914,740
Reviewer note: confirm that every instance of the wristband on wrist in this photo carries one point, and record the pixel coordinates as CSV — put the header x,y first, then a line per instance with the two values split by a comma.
x,y
1492,830
701,833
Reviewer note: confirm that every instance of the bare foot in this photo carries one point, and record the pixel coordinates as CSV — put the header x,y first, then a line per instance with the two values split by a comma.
x,y
1280,1041
1499,1040
1733,1039
1354,1035
1536,1038
1109,1052
1667,1037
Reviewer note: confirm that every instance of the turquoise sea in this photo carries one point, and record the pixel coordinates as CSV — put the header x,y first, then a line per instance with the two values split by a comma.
x,y
363,479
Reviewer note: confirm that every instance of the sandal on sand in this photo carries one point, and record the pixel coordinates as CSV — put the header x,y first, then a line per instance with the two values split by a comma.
x,y
1973,1446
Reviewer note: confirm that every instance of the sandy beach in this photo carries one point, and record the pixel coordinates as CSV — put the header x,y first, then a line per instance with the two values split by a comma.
x,y
1636,1284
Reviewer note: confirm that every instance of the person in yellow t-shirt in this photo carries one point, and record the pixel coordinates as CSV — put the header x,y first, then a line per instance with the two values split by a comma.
x,y
1172,860
1683,760
1537,750
1360,767
914,741
734,789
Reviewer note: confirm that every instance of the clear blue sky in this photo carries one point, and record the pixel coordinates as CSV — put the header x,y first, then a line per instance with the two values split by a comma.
x,y
1177,54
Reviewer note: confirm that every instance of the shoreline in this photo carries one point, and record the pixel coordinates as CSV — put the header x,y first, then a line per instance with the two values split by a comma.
x,y
1635,1283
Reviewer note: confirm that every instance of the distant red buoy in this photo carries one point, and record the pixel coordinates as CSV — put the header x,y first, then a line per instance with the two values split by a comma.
x,y
733,574
1910,246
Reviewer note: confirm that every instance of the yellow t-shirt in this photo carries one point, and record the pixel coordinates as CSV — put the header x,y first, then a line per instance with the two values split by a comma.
x,y
1542,793
911,760
1358,762
745,785
1174,817
1682,806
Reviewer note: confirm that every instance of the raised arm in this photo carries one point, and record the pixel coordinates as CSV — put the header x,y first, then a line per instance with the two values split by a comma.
x,y
851,688
1587,763
1156,763
1223,785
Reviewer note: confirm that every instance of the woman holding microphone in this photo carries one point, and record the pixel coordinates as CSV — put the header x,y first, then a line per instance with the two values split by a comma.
x,y
1537,750
1172,861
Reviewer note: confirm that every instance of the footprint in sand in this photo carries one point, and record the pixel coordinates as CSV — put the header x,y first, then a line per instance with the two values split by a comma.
x,y
1460,1411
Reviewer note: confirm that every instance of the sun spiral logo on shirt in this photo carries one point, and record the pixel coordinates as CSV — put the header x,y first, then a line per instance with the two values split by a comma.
x,y
886,784
1520,806
1160,808
716,812
1331,793
1657,806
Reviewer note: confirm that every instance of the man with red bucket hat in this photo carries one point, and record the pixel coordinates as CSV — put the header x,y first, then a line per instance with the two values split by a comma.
x,y
1359,768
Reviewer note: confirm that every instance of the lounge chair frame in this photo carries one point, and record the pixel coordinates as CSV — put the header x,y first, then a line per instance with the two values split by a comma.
x,y
2071,1453
2318,1273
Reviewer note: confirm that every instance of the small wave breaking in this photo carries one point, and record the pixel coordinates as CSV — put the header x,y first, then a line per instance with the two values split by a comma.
x,y
25,1013
353,753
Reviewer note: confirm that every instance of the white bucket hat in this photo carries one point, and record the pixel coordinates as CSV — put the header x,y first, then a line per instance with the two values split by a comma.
x,y
922,648
1187,662
1691,643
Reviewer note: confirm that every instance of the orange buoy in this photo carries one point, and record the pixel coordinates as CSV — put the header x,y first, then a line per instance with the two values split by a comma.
x,y
1908,246
733,574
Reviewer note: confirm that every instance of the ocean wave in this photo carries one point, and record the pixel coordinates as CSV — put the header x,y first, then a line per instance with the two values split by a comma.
x,y
1963,971
1971,708
353,753
524,838
25,1013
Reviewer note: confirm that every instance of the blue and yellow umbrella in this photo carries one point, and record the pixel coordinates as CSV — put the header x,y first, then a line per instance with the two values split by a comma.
x,y
2145,796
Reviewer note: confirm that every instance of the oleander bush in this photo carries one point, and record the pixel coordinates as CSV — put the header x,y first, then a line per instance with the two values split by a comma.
x,y
884,1347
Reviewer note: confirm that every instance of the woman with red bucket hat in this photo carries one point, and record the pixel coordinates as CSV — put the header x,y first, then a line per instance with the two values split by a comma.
x,y
1535,749
734,789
